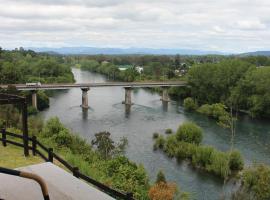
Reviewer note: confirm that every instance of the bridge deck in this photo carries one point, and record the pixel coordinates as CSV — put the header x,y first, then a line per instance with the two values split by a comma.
x,y
61,86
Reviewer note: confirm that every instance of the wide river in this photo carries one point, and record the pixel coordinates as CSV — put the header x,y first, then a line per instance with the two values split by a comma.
x,y
107,113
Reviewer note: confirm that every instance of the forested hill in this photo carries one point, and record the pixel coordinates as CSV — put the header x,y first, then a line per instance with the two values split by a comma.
x,y
21,66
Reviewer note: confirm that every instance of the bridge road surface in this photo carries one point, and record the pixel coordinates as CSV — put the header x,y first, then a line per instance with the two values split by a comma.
x,y
61,185
61,86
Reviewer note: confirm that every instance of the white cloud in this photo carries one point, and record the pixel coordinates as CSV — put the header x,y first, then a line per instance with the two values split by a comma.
x,y
231,25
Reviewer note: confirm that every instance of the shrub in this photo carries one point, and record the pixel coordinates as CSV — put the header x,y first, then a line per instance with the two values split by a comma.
x,y
236,161
189,132
161,177
155,135
32,110
168,131
202,156
255,184
219,164
162,191
190,104
218,112
53,126
171,145
63,138
159,143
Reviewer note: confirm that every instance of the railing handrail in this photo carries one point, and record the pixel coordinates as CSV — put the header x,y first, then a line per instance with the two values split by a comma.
x,y
28,175
52,156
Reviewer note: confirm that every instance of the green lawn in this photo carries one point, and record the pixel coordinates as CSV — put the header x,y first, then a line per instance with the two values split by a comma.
x,y
13,157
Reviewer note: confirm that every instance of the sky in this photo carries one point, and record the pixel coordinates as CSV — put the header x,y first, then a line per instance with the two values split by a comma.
x,y
218,25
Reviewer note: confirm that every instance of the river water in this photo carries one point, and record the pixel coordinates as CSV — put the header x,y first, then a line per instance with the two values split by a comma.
x,y
107,113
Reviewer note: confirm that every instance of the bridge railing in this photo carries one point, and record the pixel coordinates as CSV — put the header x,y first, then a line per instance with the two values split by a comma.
x,y
38,148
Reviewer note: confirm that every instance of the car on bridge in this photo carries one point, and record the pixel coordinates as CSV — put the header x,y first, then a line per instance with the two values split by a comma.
x,y
33,84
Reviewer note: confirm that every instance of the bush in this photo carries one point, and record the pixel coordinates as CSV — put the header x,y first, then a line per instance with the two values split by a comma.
x,y
190,104
168,131
255,183
202,156
219,164
53,126
161,177
32,110
236,161
162,191
218,112
63,138
155,135
189,132
43,100
159,143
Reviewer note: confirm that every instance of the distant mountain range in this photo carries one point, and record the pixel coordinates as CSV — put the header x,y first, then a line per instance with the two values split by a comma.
x,y
256,53
138,51
118,51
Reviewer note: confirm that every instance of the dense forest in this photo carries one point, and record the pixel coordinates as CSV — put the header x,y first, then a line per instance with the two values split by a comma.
x,y
21,66
24,66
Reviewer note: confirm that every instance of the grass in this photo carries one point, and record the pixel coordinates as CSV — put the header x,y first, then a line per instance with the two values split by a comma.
x,y
13,157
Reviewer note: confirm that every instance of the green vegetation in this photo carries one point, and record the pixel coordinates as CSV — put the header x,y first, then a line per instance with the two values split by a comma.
x,y
161,177
252,92
24,66
237,83
18,159
254,184
168,131
155,135
190,104
105,162
21,66
189,132
185,145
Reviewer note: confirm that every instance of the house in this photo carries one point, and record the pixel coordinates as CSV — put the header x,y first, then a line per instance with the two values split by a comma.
x,y
139,69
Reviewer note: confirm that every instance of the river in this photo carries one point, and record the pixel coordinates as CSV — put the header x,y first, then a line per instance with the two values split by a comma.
x,y
107,113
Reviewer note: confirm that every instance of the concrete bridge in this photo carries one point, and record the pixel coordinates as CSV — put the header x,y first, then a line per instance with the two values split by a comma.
x,y
85,87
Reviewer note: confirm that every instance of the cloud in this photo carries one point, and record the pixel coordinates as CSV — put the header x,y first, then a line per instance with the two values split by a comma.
x,y
232,25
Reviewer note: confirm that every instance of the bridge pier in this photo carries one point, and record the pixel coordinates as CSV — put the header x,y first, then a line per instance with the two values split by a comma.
x,y
34,98
128,91
165,94
85,97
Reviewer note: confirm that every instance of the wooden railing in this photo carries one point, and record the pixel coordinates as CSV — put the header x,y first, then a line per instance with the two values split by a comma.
x,y
36,148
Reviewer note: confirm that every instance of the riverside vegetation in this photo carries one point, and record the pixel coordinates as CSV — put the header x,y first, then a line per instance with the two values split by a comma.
x,y
185,144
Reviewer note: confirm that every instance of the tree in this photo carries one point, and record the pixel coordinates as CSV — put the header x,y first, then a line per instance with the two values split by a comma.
x,y
106,146
161,177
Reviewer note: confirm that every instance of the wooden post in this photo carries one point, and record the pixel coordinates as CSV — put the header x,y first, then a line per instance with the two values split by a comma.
x,y
4,137
25,128
129,196
75,172
50,155
34,145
